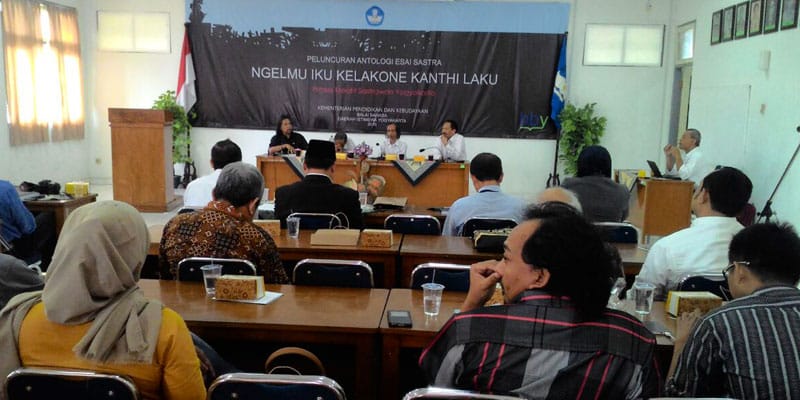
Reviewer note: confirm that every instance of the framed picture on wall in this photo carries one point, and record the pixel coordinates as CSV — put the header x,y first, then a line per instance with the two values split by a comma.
x,y
789,14
716,25
740,20
756,18
771,9
727,24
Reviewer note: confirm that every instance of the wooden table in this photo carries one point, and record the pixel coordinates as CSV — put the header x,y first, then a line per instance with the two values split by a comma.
x,y
61,208
444,185
292,249
418,249
632,256
155,232
304,314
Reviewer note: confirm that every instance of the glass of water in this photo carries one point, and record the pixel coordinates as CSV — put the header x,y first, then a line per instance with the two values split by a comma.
x,y
643,297
293,226
432,298
210,274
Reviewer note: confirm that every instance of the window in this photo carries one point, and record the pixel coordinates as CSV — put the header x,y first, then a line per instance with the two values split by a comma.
x,y
623,45
133,32
685,43
43,72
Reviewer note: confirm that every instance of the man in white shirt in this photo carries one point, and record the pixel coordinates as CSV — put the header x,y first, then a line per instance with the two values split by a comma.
x,y
450,145
392,144
701,248
198,192
486,173
691,167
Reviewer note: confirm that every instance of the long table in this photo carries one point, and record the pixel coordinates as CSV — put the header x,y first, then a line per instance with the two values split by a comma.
x,y
444,185
304,314
61,208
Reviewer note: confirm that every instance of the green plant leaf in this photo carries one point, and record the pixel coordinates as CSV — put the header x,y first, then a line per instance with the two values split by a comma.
x,y
181,129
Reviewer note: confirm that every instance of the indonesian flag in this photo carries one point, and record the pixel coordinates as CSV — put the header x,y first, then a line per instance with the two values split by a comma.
x,y
185,95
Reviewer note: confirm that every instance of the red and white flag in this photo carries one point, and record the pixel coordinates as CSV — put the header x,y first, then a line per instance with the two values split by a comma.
x,y
185,95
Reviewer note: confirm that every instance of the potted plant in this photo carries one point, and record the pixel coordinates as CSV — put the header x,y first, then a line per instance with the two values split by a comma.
x,y
580,127
180,133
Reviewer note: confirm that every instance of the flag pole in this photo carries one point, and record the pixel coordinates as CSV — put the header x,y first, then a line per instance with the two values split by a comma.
x,y
557,104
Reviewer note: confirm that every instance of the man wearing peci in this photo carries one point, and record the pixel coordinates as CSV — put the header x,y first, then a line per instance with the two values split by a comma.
x,y
198,192
691,167
317,193
450,145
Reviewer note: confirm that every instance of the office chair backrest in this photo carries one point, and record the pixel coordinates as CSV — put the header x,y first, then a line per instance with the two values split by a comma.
x,y
484,223
246,386
413,224
46,384
714,283
317,220
452,276
452,394
325,272
618,232
189,268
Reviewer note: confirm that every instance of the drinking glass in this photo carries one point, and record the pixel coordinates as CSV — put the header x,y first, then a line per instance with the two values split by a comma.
x,y
210,274
293,226
643,297
432,298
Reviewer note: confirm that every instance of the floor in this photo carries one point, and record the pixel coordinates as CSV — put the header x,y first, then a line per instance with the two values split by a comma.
x,y
106,192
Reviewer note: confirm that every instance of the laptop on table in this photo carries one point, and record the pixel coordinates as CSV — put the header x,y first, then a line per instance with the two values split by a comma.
x,y
656,172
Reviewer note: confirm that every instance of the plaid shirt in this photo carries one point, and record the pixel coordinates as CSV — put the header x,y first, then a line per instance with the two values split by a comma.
x,y
217,231
539,348
747,349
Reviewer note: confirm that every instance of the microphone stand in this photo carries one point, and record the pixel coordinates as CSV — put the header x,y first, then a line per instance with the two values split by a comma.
x,y
553,179
767,211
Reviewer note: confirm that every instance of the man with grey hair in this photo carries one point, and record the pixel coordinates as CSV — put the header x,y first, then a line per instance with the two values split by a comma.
x,y
561,195
224,228
691,167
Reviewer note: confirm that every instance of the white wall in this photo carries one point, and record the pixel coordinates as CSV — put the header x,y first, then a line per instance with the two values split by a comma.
x,y
755,131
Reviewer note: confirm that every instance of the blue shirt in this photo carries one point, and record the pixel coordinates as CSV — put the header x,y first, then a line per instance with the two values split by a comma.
x,y
488,202
16,220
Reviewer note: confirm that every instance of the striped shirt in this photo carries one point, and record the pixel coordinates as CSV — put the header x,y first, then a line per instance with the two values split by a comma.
x,y
539,348
747,349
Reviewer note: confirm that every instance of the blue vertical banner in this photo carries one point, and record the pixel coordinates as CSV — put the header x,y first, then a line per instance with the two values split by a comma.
x,y
559,86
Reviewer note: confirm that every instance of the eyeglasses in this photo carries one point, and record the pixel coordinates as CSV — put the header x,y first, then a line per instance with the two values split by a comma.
x,y
730,266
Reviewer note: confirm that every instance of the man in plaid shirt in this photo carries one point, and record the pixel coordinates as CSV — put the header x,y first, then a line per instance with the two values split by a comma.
x,y
554,337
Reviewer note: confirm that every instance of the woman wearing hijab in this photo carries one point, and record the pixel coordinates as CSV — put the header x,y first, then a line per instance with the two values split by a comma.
x,y
602,199
92,315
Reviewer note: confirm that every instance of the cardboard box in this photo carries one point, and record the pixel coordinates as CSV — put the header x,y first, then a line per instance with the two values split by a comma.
x,y
682,302
272,226
377,238
76,189
239,287
335,237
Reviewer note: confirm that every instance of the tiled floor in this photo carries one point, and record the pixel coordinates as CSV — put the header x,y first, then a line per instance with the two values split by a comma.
x,y
106,192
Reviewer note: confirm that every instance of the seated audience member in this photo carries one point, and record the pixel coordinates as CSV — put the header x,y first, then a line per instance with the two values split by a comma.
x,y
92,315
561,195
603,200
486,173
198,192
16,278
224,228
554,337
747,349
702,247
450,145
392,144
342,143
691,167
286,140
317,193
32,238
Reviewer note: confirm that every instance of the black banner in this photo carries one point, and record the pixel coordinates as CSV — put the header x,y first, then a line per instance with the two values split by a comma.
x,y
492,84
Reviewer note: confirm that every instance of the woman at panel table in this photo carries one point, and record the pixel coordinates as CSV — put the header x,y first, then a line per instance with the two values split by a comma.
x,y
602,199
92,315
286,140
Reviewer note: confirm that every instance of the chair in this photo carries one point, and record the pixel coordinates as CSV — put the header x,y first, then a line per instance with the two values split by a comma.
x,y
293,361
454,394
483,223
343,273
618,232
189,268
452,276
317,220
413,224
747,216
46,383
714,283
246,386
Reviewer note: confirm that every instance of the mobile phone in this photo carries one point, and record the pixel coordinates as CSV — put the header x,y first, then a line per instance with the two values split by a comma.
x,y
399,318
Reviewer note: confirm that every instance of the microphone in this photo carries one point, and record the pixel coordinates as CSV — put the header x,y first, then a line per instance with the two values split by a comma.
x,y
798,129
427,148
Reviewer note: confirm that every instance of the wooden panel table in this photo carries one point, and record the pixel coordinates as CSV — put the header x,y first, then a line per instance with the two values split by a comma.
x,y
425,328
444,185
61,208
292,249
304,314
